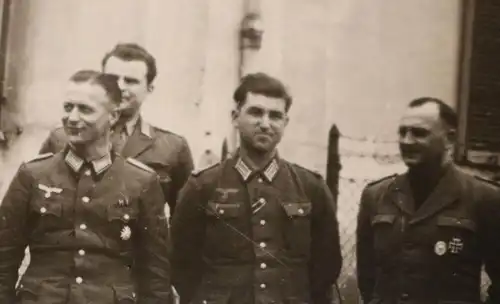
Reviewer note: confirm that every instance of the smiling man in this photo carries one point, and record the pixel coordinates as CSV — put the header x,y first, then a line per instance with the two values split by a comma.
x,y
423,236
256,228
164,151
93,221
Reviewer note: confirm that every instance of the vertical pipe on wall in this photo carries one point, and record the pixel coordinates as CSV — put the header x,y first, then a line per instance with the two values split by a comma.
x,y
250,39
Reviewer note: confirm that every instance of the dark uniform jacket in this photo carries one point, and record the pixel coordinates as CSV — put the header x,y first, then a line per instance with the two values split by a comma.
x,y
96,234
255,237
433,254
165,152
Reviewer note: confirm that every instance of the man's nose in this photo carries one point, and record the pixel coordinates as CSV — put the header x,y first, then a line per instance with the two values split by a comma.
x,y
265,122
73,115
121,83
407,138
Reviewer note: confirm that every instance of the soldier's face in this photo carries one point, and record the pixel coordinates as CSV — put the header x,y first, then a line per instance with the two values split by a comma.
x,y
132,81
423,137
261,122
88,113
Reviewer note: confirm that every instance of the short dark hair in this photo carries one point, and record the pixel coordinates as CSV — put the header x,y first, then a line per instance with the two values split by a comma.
x,y
446,112
262,84
132,52
107,81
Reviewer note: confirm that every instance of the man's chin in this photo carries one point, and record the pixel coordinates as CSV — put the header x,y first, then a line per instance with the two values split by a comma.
x,y
411,162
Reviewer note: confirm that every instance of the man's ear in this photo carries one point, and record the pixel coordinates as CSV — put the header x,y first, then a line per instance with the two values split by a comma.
x,y
451,137
151,87
114,116
235,113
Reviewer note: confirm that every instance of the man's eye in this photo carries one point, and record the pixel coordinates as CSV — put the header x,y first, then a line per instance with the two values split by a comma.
x,y
131,80
255,112
68,107
85,110
276,115
420,133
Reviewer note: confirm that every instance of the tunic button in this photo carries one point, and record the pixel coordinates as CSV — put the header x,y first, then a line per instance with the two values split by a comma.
x,y
262,286
260,180
263,266
221,211
83,226
43,210
85,199
79,280
262,222
262,245
301,211
81,252
126,217
262,200
87,172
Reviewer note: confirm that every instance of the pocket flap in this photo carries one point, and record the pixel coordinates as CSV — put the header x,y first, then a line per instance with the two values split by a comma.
x,y
29,287
123,293
297,209
48,208
223,209
456,222
124,214
383,218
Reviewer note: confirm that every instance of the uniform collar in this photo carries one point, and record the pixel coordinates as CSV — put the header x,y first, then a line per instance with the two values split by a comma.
x,y
269,171
131,124
99,165
136,122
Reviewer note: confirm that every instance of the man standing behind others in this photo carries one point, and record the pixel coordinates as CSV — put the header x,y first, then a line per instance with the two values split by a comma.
x,y
423,236
256,228
165,152
93,221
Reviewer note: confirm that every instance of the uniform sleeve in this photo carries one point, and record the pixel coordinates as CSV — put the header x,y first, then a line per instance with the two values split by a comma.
x,y
13,234
152,252
181,172
188,226
326,258
364,249
489,226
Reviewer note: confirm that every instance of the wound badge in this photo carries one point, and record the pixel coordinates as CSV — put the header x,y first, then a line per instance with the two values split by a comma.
x,y
455,245
440,248
126,233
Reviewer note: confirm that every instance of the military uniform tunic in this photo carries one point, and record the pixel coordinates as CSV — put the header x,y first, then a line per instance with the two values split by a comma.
x,y
165,152
434,254
243,236
96,233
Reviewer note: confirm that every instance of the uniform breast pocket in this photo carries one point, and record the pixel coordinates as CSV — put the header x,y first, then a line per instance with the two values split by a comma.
x,y
383,226
224,235
47,213
456,236
122,221
298,231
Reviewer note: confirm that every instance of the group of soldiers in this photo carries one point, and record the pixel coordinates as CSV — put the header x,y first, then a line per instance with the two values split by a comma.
x,y
253,228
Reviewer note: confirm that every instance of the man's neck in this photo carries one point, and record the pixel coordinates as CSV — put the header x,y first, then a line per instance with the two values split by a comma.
x,y
429,174
94,151
256,159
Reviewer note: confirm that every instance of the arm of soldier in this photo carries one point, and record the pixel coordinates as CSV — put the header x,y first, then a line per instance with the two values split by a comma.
x,y
184,168
489,226
13,238
326,258
365,252
188,226
152,256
